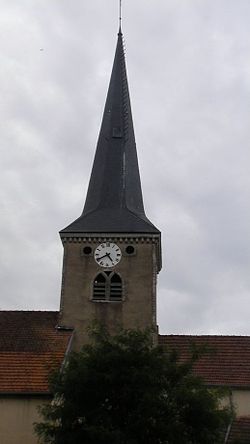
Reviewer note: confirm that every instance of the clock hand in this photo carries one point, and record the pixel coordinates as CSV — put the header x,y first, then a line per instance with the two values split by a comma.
x,y
99,258
110,258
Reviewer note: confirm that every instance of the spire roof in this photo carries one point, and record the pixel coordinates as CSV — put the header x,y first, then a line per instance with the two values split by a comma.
x,y
114,200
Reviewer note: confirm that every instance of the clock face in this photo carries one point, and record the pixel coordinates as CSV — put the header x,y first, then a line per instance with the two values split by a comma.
x,y
107,254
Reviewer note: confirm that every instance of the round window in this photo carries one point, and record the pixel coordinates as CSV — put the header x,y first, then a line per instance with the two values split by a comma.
x,y
130,249
87,250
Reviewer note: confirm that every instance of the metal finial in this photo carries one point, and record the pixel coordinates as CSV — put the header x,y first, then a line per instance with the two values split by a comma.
x,y
120,15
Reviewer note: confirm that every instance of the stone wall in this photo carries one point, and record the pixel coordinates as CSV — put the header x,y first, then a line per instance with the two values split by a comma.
x,y
137,309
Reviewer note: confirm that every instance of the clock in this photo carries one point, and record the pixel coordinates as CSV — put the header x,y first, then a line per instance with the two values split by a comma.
x,y
107,254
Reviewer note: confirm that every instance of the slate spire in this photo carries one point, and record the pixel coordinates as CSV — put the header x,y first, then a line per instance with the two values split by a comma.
x,y
114,200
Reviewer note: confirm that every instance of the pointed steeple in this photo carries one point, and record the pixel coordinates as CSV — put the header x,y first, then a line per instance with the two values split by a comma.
x,y
114,200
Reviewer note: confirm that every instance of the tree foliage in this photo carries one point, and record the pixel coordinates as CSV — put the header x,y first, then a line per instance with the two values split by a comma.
x,y
123,390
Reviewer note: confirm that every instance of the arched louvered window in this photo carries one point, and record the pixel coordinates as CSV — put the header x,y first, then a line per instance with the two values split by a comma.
x,y
107,286
115,287
99,287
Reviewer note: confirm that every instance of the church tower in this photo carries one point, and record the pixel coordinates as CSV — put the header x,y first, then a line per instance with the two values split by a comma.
x,y
112,252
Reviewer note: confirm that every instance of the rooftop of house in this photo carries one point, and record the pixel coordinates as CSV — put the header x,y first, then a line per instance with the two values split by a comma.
x,y
30,347
239,432
225,362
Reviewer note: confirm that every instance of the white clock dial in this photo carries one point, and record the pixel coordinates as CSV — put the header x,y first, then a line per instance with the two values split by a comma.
x,y
107,254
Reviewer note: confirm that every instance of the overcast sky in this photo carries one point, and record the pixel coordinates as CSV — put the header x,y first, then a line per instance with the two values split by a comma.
x,y
188,65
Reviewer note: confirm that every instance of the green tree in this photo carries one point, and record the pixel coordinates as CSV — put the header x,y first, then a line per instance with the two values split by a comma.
x,y
123,390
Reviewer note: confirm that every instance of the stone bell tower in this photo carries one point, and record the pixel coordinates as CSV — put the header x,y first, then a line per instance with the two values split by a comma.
x,y
112,252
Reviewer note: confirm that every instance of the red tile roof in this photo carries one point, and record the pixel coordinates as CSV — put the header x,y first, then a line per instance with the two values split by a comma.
x,y
30,346
227,363
240,431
